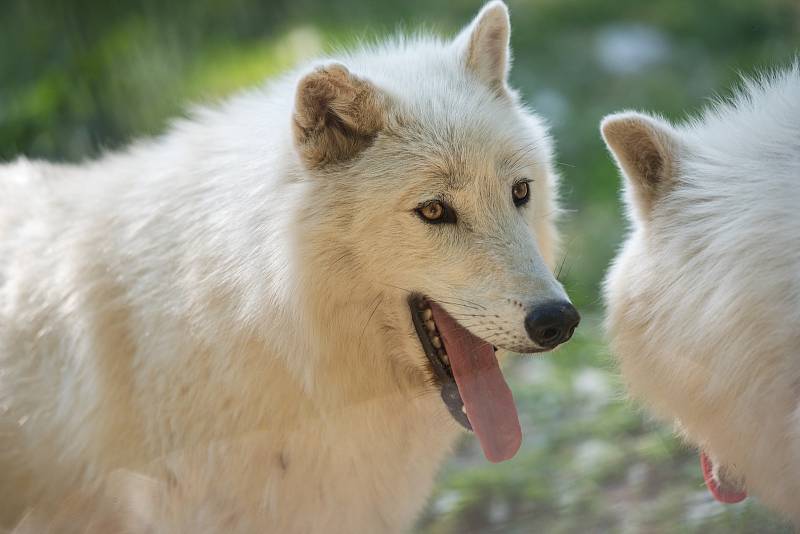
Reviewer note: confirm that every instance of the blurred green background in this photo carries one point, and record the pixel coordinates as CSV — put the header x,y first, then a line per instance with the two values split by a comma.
x,y
82,76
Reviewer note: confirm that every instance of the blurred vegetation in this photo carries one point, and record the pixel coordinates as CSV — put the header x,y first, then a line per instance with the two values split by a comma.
x,y
82,76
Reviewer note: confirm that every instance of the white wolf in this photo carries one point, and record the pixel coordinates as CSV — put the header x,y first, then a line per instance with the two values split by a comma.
x,y
278,315
704,298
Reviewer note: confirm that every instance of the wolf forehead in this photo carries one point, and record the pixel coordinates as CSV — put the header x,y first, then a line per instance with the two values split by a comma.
x,y
422,107
457,156
453,123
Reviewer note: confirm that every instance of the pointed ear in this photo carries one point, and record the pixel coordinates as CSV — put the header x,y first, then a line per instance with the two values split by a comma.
x,y
485,45
647,151
336,115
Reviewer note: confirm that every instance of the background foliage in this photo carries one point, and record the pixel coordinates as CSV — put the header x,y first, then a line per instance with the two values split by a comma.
x,y
82,76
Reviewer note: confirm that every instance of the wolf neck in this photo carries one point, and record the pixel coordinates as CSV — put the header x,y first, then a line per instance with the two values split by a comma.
x,y
354,335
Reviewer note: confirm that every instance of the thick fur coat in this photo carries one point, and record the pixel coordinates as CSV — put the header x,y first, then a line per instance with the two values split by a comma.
x,y
704,297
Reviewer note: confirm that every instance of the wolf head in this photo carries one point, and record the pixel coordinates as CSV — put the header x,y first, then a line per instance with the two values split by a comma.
x,y
433,198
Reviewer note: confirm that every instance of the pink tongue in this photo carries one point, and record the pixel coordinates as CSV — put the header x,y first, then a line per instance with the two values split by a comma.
x,y
723,493
487,398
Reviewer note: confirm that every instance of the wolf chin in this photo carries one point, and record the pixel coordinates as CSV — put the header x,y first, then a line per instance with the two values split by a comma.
x,y
704,297
279,315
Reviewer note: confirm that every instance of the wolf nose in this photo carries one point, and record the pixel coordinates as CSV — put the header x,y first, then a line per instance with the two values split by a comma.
x,y
552,323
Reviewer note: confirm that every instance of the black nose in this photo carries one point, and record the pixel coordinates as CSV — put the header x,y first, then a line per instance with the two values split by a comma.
x,y
552,323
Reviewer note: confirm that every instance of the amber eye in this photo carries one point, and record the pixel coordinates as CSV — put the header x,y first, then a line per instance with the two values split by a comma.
x,y
436,212
432,211
521,193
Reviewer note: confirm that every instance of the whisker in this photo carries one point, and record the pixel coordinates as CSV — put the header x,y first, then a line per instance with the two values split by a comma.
x,y
438,300
564,260
514,160
457,304
561,267
467,301
379,299
396,287
340,258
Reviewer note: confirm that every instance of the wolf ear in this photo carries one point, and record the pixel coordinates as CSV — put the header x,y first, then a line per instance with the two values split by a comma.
x,y
646,150
485,45
336,115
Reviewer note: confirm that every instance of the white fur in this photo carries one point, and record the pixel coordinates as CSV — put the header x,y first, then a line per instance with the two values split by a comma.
x,y
704,298
224,332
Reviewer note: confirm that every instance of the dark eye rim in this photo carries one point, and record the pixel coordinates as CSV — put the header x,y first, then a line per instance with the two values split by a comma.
x,y
524,200
448,213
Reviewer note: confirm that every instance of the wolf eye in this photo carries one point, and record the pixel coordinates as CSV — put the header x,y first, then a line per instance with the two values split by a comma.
x,y
521,193
436,212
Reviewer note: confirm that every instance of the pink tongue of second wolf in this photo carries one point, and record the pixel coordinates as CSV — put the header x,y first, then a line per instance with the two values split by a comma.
x,y
722,492
487,398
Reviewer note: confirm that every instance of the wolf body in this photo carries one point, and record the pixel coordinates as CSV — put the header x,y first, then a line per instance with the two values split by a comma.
x,y
211,330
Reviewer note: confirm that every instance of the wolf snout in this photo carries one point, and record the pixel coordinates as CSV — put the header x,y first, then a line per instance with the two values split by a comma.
x,y
551,323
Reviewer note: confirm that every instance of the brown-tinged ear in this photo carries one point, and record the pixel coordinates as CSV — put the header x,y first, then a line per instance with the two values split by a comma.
x,y
336,115
647,152
485,45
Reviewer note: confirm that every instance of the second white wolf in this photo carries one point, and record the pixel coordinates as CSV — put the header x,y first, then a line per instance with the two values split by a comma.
x,y
704,298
